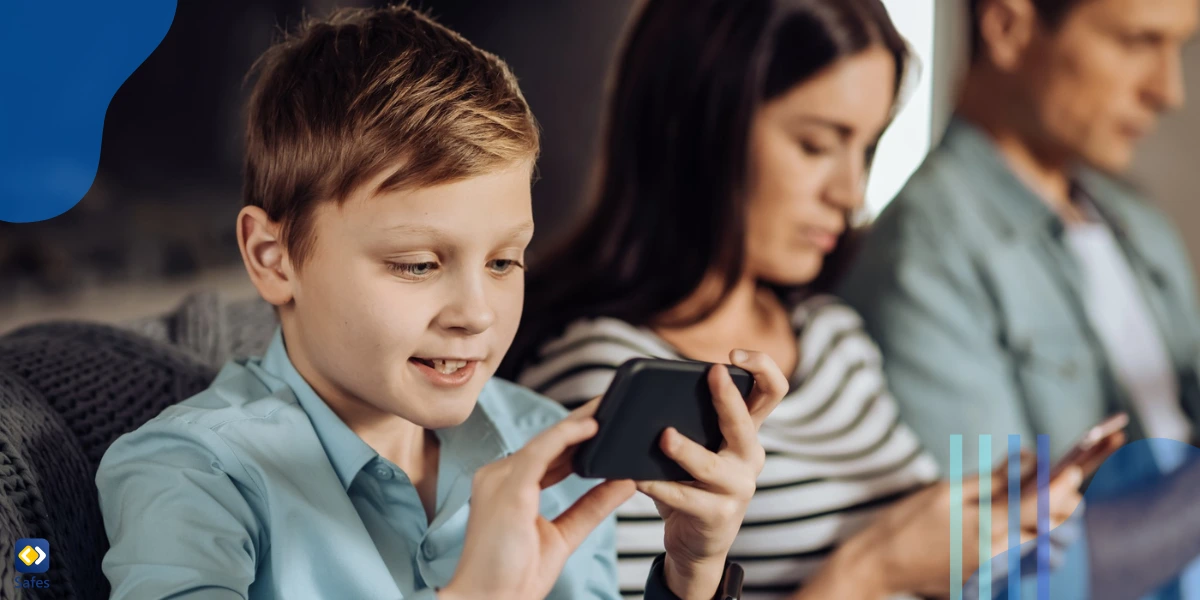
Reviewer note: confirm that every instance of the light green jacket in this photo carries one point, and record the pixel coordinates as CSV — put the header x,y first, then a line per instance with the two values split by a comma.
x,y
966,283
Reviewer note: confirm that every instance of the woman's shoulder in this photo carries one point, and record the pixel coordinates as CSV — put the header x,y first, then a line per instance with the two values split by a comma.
x,y
826,327
824,309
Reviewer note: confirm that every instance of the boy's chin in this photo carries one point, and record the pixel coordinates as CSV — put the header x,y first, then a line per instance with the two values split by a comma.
x,y
443,409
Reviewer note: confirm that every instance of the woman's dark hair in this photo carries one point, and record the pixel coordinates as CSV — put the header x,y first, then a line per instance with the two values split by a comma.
x,y
668,206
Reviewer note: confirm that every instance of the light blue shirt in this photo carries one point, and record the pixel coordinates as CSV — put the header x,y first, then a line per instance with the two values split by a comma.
x,y
254,488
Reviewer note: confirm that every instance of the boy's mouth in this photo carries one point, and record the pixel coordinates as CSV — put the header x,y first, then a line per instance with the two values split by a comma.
x,y
445,372
445,366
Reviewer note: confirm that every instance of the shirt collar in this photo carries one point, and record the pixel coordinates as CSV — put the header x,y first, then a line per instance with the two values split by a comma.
x,y
480,439
468,446
1017,207
346,451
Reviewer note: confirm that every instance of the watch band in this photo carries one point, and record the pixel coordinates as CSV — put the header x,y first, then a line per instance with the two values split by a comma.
x,y
730,587
731,582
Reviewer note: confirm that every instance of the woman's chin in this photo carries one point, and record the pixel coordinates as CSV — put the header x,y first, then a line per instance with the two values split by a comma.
x,y
797,273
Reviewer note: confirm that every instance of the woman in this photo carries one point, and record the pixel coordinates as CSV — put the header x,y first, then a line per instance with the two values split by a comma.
x,y
738,140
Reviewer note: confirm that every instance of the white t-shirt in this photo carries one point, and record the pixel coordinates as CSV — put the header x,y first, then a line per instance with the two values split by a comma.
x,y
1131,338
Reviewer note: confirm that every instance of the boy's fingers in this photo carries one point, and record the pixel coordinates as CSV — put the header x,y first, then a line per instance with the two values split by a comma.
x,y
588,512
769,383
560,467
678,496
705,466
737,426
532,462
587,410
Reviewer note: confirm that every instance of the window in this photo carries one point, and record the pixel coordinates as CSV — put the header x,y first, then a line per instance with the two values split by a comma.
x,y
907,141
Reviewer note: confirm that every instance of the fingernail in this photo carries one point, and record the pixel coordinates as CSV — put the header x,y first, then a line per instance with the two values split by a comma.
x,y
740,356
669,436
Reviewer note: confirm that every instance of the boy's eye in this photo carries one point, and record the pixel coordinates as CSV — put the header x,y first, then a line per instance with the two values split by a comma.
x,y
502,266
413,270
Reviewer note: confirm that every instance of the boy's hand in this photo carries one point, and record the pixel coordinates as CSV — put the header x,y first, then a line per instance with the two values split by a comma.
x,y
703,517
511,551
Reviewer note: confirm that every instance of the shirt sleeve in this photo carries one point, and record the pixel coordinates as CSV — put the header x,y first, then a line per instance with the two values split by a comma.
x,y
178,524
604,580
591,572
925,306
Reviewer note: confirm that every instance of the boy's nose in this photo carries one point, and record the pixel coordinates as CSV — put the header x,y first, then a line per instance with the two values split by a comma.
x,y
468,310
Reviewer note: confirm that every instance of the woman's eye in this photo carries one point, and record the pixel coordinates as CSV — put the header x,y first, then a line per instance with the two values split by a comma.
x,y
421,269
502,266
813,149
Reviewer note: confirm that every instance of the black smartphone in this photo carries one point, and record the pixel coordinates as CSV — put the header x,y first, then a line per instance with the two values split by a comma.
x,y
646,396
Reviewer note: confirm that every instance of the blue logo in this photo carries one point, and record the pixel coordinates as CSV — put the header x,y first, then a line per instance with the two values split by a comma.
x,y
32,555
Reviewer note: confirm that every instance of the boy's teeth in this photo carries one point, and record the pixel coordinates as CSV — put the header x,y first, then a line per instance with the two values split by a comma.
x,y
448,366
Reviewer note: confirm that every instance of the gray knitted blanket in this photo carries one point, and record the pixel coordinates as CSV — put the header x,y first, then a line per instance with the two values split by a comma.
x,y
67,390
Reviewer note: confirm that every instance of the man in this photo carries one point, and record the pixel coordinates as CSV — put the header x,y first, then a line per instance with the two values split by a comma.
x,y
1013,285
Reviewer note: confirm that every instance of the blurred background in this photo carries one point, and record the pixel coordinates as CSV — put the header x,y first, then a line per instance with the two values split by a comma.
x,y
157,223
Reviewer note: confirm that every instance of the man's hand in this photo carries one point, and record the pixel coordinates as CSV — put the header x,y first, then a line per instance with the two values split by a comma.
x,y
703,517
511,552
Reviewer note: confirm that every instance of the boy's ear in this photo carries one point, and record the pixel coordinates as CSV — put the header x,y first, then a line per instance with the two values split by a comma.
x,y
265,255
1006,28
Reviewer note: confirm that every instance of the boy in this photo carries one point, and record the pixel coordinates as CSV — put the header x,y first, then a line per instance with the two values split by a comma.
x,y
388,168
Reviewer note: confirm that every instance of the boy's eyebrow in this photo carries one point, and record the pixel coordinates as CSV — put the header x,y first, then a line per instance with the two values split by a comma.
x,y
410,229
521,229
434,232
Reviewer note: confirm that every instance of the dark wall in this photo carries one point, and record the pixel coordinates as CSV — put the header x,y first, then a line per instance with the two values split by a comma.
x,y
168,184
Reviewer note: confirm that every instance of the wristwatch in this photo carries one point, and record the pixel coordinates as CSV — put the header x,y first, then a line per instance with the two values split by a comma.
x,y
730,587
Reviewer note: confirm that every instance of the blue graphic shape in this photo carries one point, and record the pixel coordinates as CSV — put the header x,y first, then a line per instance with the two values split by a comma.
x,y
35,551
956,517
1014,518
985,515
1043,516
60,64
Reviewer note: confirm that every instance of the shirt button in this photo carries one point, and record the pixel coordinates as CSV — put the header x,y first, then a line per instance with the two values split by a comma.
x,y
383,472
427,551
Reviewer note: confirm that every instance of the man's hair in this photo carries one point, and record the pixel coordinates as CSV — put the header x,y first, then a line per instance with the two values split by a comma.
x,y
1050,12
347,97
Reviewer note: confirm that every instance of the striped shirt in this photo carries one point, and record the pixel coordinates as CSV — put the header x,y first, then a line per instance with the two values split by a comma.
x,y
836,449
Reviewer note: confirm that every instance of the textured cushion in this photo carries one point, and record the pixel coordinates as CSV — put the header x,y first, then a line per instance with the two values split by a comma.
x,y
67,390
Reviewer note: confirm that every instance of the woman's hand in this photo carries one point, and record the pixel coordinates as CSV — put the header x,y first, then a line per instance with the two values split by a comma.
x,y
511,552
906,549
703,517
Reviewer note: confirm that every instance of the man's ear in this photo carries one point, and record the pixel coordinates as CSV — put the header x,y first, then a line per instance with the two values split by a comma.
x,y
265,255
1006,29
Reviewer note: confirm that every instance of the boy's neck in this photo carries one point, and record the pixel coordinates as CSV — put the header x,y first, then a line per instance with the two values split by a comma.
x,y
414,449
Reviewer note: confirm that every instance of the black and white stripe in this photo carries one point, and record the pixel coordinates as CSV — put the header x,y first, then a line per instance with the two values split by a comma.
x,y
837,451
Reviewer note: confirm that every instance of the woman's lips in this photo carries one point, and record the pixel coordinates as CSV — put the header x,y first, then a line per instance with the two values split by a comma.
x,y
824,241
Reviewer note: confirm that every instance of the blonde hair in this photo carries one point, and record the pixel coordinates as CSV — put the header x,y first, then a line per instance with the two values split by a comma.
x,y
346,97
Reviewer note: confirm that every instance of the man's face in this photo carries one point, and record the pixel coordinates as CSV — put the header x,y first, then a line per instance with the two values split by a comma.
x,y
1099,80
409,300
